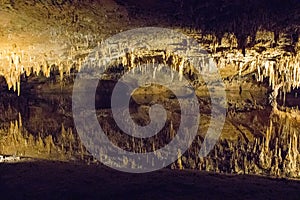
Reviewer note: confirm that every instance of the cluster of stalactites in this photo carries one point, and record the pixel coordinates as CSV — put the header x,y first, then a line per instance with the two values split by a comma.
x,y
270,64
284,71
278,69
274,64
176,62
14,65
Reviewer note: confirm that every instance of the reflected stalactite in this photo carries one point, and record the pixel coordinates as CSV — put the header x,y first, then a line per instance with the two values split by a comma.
x,y
276,152
16,140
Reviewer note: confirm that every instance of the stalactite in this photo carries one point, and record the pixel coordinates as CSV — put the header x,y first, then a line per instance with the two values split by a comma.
x,y
181,65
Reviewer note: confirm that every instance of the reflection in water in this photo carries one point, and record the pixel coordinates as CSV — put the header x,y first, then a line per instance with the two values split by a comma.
x,y
254,140
40,127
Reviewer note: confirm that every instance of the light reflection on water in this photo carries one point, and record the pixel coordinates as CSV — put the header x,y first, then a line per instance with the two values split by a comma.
x,y
254,141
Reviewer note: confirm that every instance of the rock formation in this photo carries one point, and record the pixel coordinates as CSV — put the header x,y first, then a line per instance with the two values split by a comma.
x,y
259,66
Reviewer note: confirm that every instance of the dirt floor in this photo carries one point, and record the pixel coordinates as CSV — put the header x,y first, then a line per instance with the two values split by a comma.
x,y
58,180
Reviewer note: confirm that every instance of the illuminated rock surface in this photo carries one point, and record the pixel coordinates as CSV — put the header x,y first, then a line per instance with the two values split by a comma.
x,y
43,45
